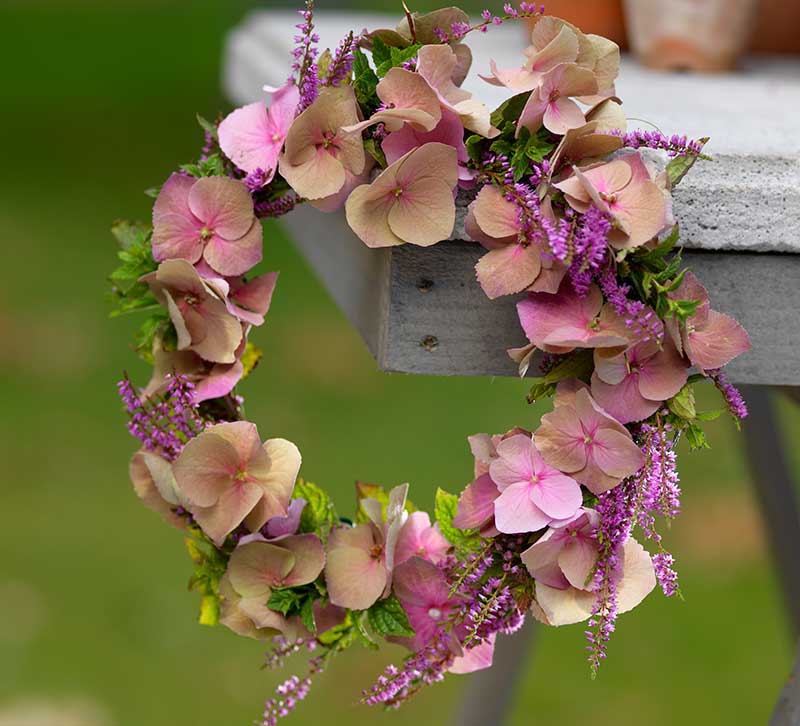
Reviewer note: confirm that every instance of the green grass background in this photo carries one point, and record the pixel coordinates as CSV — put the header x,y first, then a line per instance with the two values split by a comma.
x,y
95,621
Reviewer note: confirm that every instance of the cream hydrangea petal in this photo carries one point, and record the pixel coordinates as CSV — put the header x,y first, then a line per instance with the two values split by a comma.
x,y
256,567
563,607
229,511
577,560
638,576
425,213
355,577
309,559
205,468
233,257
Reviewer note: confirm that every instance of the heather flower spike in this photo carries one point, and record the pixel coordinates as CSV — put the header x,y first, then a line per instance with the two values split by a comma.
x,y
230,477
252,137
210,218
410,201
582,440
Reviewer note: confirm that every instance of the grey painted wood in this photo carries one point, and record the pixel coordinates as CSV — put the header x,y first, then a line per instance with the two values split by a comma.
x,y
747,199
787,710
771,474
488,696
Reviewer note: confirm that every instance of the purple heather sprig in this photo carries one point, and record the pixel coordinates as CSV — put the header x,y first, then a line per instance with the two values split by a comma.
x,y
590,247
294,689
459,30
342,62
640,318
674,145
272,208
166,422
733,397
616,509
304,67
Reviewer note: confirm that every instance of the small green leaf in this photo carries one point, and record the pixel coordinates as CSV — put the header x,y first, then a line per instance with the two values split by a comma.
x,y
576,365
710,415
696,437
364,83
510,110
307,614
387,617
361,620
380,52
445,509
475,146
682,404
319,514
208,127
375,151
131,234
285,600
679,166
209,610
250,358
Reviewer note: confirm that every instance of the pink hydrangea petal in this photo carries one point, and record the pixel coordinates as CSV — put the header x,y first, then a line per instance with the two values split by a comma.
x,y
542,313
173,197
640,211
483,448
355,578
309,559
245,137
475,658
495,215
476,503
425,213
274,469
577,560
176,236
419,582
250,301
508,269
562,115
254,568
662,375
717,342
513,463
242,436
541,559
533,112
220,381
557,495
281,526
230,510
205,468
611,367
559,439
142,477
560,44
515,512
235,256
616,454
436,64
319,176
222,204
418,538
624,400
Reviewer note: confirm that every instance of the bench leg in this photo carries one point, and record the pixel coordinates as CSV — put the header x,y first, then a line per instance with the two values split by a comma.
x,y
489,694
772,477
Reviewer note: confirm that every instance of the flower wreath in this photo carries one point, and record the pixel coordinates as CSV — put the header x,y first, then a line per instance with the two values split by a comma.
x,y
571,213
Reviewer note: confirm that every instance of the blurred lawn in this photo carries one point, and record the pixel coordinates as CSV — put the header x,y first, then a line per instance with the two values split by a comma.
x,y
95,620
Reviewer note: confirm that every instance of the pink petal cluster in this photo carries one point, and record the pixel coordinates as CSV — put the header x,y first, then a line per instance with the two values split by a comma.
x,y
580,439
211,219
230,477
562,563
561,322
632,385
624,189
708,339
532,493
252,136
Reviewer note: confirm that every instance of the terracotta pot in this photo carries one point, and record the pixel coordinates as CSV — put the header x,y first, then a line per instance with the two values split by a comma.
x,y
602,17
696,35
777,27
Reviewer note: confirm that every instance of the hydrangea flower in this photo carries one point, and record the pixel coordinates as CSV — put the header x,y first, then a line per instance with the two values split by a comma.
x,y
154,483
624,189
448,131
562,322
418,538
252,136
410,201
551,104
198,311
532,494
361,558
230,477
594,139
561,562
318,151
257,567
632,385
210,218
709,339
437,64
580,439
512,263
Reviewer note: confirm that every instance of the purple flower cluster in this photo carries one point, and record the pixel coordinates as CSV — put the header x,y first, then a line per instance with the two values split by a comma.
x,y
616,509
164,423
461,29
658,495
425,667
271,208
257,180
589,249
289,693
674,145
731,394
341,63
305,55
640,318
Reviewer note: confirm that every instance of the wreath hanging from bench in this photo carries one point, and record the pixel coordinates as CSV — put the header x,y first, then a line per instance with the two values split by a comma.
x,y
575,214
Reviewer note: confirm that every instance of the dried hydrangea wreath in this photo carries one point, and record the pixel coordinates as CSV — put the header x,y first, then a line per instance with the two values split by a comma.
x,y
570,213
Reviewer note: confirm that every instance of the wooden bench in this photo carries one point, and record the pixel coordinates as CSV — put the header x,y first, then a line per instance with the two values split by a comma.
x,y
421,310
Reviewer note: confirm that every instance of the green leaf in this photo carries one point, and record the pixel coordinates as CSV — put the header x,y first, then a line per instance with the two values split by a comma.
x,y
380,52
679,166
375,151
209,610
576,365
696,437
475,144
212,165
250,358
364,83
324,63
156,325
319,514
509,111
307,614
445,508
361,619
397,56
682,404
710,415
208,127
387,617
131,234
285,600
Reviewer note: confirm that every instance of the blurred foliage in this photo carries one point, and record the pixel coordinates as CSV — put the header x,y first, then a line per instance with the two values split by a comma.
x,y
92,586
